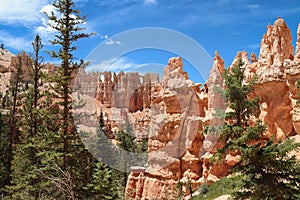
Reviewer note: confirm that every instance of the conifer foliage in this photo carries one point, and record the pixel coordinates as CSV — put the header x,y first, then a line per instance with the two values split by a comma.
x,y
10,127
5,153
37,144
68,24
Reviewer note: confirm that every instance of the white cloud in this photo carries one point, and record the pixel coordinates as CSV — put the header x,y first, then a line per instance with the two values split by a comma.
x,y
20,11
48,9
113,64
18,43
148,2
45,30
104,37
109,41
117,2
80,1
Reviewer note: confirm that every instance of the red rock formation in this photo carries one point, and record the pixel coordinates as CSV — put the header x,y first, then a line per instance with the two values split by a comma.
x,y
298,44
87,83
215,83
5,59
253,57
276,77
7,71
174,140
277,73
276,43
126,90
25,61
277,70
275,47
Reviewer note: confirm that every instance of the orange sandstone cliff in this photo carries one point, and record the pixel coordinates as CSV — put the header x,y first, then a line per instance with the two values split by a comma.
x,y
178,152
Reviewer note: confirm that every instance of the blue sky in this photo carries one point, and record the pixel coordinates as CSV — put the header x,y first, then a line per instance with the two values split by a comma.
x,y
224,25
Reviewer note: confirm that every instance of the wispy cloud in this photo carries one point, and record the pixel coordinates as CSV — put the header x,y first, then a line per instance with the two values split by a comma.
x,y
116,3
80,2
284,11
109,41
15,42
150,2
21,11
209,19
252,6
113,64
44,29
219,13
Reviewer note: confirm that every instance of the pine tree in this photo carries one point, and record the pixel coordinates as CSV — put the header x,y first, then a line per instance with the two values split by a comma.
x,y
69,27
267,169
130,152
9,130
69,31
5,153
15,90
35,128
105,182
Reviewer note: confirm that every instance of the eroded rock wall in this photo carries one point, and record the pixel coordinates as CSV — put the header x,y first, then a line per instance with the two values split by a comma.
x,y
277,70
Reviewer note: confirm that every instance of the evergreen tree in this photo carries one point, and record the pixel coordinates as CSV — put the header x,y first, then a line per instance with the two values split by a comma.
x,y
9,130
103,148
101,186
264,164
69,27
105,182
35,128
5,152
68,24
15,91
130,152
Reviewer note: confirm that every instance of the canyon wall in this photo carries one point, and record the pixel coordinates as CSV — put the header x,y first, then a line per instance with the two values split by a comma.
x,y
123,90
8,63
277,70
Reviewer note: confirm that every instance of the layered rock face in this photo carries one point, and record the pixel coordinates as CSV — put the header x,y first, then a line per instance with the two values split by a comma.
x,y
174,125
124,98
276,45
277,70
125,90
174,139
5,70
5,58
8,63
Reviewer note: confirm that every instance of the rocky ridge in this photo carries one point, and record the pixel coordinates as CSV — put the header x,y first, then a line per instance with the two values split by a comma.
x,y
8,63
5,71
277,69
